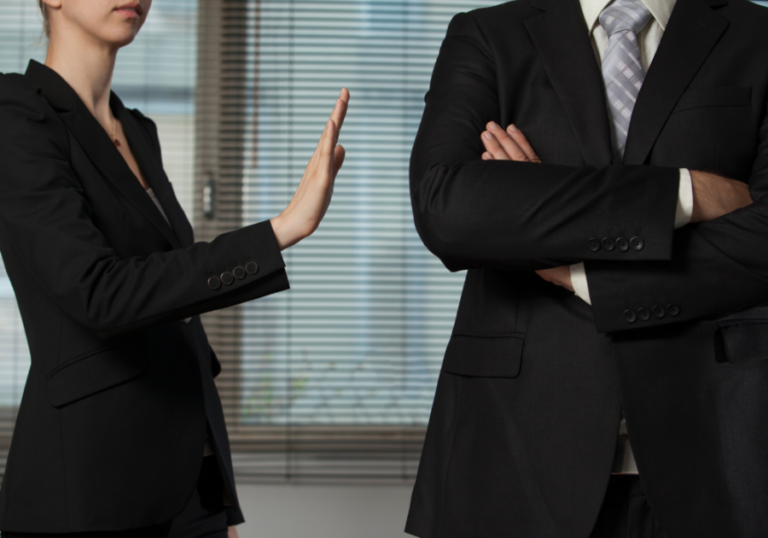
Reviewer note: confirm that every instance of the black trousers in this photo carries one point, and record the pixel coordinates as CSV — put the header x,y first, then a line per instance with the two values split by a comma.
x,y
203,517
625,512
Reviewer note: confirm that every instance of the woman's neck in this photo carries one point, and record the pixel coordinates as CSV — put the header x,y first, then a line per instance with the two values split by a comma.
x,y
87,66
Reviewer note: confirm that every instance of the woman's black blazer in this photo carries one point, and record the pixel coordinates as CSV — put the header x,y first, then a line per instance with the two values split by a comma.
x,y
112,422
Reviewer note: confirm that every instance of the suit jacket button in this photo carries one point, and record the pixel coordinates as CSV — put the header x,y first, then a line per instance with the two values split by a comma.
x,y
252,268
659,311
673,310
214,283
622,244
593,244
608,243
186,321
227,278
644,314
630,316
239,272
637,243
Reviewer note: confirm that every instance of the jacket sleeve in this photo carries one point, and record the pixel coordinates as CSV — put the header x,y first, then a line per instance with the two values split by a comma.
x,y
46,222
511,215
717,268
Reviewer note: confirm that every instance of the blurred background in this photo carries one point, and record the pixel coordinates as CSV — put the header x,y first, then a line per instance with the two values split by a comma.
x,y
327,388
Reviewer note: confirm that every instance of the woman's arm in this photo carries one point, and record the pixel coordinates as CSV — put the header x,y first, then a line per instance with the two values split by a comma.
x,y
46,222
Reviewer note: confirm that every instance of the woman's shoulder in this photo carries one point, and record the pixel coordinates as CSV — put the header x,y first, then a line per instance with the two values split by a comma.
x,y
20,98
143,120
16,85
149,126
31,129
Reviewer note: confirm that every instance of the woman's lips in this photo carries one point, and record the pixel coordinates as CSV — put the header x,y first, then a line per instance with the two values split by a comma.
x,y
128,13
130,10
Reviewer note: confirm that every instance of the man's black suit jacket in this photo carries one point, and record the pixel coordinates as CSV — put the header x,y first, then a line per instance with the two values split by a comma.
x,y
113,419
524,424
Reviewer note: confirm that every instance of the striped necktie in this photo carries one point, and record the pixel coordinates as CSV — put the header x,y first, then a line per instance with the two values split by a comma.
x,y
623,71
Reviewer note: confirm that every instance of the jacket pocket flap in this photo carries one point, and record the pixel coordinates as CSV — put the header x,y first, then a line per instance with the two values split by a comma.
x,y
742,341
723,96
485,355
95,372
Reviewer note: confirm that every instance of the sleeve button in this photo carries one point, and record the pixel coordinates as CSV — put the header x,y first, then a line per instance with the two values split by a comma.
x,y
252,268
630,316
673,310
214,283
239,272
622,244
644,314
659,311
227,278
593,244
608,244
637,243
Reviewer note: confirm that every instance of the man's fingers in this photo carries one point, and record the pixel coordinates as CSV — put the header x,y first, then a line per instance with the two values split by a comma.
x,y
493,148
511,148
522,142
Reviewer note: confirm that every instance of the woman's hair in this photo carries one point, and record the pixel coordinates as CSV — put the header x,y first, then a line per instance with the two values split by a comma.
x,y
46,22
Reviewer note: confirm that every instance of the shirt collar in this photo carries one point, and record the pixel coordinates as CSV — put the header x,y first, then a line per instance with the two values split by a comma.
x,y
661,10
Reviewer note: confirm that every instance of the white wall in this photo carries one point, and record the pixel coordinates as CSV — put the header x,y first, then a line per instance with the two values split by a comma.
x,y
298,511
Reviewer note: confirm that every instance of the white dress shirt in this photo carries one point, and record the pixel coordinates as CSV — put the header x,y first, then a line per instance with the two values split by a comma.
x,y
648,39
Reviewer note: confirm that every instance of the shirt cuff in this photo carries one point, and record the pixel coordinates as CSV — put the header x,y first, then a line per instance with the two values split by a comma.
x,y
684,199
579,282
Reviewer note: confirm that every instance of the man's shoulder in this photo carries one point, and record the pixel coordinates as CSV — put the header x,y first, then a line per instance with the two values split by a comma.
x,y
506,12
747,18
501,19
741,9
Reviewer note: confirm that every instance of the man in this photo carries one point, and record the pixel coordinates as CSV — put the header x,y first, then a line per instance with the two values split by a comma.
x,y
626,121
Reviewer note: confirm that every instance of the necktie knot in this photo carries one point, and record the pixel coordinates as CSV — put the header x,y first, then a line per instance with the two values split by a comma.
x,y
624,15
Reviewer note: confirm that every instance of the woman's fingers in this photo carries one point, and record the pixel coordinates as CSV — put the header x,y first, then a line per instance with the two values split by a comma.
x,y
310,201
340,110
339,153
522,142
327,143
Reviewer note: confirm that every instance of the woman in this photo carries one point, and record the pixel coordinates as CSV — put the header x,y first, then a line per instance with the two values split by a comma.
x,y
120,404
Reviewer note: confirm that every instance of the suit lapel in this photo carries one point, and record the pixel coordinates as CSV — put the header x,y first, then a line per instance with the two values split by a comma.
x,y
562,40
98,146
154,173
691,34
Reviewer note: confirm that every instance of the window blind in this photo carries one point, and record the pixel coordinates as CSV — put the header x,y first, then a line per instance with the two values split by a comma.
x,y
333,380
157,75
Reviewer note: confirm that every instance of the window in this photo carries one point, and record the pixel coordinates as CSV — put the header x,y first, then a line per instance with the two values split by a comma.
x,y
334,379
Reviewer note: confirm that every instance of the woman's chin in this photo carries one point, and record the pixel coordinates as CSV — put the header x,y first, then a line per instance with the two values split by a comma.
x,y
120,39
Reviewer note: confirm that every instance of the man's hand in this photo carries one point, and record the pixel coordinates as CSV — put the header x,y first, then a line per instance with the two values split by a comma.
x,y
512,145
715,196
559,276
509,145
